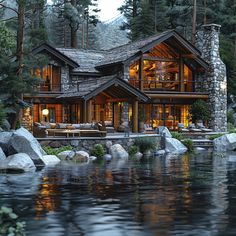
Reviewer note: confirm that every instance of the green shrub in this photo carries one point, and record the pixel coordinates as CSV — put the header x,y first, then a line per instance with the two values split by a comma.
x,y
213,136
9,224
98,151
177,135
55,151
188,143
145,144
199,110
230,117
133,150
231,128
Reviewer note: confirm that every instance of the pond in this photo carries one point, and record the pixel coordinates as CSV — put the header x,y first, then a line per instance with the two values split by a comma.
x,y
185,195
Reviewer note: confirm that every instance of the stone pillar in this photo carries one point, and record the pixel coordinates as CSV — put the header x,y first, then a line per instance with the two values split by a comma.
x,y
214,79
65,79
125,112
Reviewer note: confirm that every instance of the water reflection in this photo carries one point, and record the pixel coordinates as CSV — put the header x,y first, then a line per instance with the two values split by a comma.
x,y
172,195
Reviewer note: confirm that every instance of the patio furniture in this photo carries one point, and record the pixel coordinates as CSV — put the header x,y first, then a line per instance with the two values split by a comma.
x,y
181,128
193,128
203,127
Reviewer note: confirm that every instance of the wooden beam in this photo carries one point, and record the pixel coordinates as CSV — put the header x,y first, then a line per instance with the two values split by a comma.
x,y
181,74
158,59
141,73
89,111
135,117
84,111
182,95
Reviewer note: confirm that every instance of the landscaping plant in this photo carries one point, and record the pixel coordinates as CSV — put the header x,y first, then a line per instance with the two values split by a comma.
x,y
145,144
133,150
98,151
55,151
9,224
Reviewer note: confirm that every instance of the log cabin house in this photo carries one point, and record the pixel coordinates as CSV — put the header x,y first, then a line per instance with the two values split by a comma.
x,y
154,80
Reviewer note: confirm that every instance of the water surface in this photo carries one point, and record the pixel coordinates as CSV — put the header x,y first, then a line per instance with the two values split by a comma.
x,y
187,195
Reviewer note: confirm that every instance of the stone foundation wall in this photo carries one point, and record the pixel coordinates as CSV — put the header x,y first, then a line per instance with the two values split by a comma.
x,y
86,144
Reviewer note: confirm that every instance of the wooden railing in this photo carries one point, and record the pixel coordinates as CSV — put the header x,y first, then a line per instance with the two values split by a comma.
x,y
47,88
150,85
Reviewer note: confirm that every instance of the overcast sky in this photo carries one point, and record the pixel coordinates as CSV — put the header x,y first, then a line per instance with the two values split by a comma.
x,y
109,9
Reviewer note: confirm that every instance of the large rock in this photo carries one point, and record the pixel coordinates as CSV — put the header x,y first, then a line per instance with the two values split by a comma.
x,y
23,141
18,162
164,131
66,155
225,143
2,155
50,160
174,146
4,140
6,125
117,151
81,156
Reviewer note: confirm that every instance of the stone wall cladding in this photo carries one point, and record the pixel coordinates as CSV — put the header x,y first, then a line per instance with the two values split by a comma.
x,y
214,81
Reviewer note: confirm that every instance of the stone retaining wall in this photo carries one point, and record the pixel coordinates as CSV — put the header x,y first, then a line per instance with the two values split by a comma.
x,y
86,144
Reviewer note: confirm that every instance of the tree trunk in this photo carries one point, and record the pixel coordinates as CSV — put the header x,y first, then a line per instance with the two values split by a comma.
x,y
194,21
74,29
19,54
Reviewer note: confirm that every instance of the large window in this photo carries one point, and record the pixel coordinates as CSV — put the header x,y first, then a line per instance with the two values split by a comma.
x,y
168,115
51,78
162,70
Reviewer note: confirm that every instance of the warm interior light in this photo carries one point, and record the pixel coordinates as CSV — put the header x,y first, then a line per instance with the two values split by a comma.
x,y
45,112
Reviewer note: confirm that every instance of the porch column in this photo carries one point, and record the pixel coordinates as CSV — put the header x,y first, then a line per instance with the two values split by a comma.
x,y
181,73
84,111
135,117
89,111
141,73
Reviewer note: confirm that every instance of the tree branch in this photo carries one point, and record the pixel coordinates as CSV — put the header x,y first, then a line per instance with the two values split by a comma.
x,y
7,7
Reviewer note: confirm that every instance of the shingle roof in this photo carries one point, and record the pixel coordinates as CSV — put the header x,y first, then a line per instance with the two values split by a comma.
x,y
111,84
87,86
87,59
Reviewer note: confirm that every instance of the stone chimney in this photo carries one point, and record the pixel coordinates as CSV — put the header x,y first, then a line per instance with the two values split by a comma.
x,y
214,79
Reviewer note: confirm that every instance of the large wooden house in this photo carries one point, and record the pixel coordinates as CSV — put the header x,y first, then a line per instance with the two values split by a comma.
x,y
154,80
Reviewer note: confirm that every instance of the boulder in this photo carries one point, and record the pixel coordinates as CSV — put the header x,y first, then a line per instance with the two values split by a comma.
x,y
18,162
138,155
2,155
160,152
6,125
107,157
66,155
23,141
117,151
4,140
108,144
81,156
164,130
50,160
225,143
174,146
74,143
92,158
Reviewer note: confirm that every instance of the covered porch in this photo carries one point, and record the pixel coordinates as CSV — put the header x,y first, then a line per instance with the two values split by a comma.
x,y
108,100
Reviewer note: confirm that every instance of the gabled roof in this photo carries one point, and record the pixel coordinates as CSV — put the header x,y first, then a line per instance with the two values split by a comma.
x,y
111,85
125,53
53,51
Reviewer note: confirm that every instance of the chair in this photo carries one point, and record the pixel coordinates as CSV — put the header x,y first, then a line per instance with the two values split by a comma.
x,y
181,128
193,128
203,127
